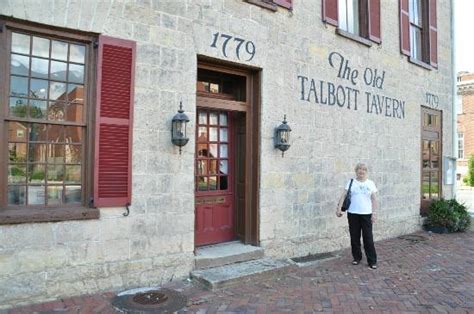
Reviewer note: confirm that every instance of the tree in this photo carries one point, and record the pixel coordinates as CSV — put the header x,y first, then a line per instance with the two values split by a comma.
x,y
470,173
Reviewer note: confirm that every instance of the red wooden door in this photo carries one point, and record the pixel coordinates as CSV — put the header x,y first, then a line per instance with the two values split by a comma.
x,y
214,178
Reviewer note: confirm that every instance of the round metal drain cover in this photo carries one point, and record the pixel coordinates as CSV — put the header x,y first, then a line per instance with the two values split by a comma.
x,y
412,238
152,301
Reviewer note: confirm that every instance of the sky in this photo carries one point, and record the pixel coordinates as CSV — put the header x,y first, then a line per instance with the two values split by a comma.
x,y
464,28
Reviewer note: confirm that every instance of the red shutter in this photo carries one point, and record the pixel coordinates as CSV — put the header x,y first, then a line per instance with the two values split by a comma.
x,y
374,21
114,117
329,12
284,3
433,34
404,27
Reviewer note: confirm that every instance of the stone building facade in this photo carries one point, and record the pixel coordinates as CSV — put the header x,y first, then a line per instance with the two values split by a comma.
x,y
465,122
351,92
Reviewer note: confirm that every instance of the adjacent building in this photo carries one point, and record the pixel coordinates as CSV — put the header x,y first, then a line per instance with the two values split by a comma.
x,y
96,196
465,122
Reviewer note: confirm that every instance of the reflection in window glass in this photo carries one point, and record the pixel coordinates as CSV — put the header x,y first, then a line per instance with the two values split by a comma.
x,y
17,173
39,88
36,195
77,53
72,194
213,166
213,134
55,195
213,183
213,118
19,86
40,47
20,43
223,151
223,119
58,70
202,183
202,117
16,195
59,50
39,68
20,65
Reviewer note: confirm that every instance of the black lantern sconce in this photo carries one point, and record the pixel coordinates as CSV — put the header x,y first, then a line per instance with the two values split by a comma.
x,y
282,136
178,128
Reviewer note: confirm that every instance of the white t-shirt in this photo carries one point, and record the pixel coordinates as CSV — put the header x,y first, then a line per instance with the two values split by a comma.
x,y
360,196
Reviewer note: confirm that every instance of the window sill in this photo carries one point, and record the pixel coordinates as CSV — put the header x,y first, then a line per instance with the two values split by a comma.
x,y
354,37
266,5
420,63
20,216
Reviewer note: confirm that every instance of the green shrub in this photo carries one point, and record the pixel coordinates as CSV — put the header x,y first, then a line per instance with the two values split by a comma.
x,y
470,175
450,214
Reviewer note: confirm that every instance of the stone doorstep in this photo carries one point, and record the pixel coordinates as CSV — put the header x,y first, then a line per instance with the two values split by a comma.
x,y
228,275
226,253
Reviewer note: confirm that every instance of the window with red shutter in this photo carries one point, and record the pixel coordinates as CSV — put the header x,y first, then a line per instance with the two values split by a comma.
x,y
418,31
355,19
114,117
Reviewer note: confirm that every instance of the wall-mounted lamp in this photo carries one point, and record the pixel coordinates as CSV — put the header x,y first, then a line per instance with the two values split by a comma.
x,y
178,128
282,136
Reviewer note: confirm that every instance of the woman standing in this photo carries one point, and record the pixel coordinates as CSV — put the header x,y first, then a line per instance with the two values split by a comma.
x,y
361,215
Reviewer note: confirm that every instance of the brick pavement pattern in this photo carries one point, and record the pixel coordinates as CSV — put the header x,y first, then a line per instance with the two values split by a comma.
x,y
433,275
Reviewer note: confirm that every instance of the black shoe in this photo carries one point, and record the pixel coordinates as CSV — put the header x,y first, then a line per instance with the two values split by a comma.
x,y
373,266
354,262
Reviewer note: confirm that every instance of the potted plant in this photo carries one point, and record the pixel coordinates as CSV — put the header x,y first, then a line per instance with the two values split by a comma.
x,y
447,216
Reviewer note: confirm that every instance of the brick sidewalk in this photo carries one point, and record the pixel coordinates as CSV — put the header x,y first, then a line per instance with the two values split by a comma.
x,y
430,276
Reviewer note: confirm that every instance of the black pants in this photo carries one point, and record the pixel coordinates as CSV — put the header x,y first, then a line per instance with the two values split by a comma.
x,y
358,223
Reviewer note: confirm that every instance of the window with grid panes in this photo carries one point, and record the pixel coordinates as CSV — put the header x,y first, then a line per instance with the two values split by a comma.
x,y
45,120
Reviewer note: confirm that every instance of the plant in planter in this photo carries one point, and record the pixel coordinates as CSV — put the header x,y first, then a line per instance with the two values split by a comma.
x,y
448,216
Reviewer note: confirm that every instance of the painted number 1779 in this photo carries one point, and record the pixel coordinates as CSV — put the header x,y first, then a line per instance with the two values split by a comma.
x,y
226,41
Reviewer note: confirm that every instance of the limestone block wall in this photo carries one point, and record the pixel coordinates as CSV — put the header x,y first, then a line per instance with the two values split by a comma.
x,y
297,193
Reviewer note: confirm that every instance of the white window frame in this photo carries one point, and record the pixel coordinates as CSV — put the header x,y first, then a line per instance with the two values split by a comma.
x,y
460,145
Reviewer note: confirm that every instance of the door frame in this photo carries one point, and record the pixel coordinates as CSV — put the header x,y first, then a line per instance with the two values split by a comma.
x,y
251,107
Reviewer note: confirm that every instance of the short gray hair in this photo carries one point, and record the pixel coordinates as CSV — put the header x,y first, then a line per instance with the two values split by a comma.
x,y
361,165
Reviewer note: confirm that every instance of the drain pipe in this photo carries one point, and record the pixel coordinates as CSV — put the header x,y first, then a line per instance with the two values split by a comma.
x,y
454,95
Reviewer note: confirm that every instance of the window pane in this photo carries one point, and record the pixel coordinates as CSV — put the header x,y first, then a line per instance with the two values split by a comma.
x,y
36,174
213,166
58,70
73,154
20,43
223,135
55,174
40,47
36,195
213,134
38,109
56,111
76,73
74,112
202,150
16,195
73,174
17,131
202,130
223,119
75,92
77,53
202,167
72,194
434,185
212,183
57,91
73,134
17,152
59,50
202,118
213,150
55,195
213,118
39,67
18,107
19,86
223,167
56,133
37,153
20,65
55,154
202,183
223,183
425,185
39,88
38,132
223,151
426,153
17,173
